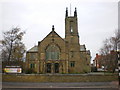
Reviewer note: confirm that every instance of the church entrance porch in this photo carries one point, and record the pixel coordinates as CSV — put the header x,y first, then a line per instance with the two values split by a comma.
x,y
52,68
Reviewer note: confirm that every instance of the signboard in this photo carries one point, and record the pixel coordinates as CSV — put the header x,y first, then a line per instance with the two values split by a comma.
x,y
12,70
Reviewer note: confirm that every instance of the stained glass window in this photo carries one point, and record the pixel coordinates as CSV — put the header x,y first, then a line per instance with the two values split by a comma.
x,y
52,52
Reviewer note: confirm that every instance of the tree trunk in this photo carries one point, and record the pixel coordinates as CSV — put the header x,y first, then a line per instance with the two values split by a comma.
x,y
10,52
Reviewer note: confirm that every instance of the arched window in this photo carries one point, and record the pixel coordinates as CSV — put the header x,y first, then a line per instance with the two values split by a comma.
x,y
52,52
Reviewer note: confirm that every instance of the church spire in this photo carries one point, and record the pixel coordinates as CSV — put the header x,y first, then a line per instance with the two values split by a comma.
x,y
75,12
66,12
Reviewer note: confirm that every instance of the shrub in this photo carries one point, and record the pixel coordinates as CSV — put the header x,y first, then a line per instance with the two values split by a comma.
x,y
93,69
30,71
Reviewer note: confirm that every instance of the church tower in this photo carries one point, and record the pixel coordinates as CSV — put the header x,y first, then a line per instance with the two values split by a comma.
x,y
71,29
73,45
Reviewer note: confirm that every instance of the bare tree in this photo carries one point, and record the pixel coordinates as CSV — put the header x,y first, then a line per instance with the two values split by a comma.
x,y
115,41
107,47
12,46
109,51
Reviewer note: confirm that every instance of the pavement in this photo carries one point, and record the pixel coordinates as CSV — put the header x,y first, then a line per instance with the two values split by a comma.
x,y
61,86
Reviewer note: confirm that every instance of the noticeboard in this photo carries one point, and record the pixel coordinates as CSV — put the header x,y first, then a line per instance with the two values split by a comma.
x,y
12,70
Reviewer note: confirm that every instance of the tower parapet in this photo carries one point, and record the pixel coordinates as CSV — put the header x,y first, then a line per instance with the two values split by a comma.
x,y
71,28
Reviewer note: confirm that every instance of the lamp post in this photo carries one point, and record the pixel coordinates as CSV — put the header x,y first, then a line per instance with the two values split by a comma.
x,y
118,55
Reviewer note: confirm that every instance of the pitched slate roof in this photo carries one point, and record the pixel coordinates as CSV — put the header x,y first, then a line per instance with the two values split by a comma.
x,y
33,49
82,48
53,33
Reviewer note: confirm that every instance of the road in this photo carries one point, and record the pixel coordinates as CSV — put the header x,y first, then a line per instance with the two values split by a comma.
x,y
54,86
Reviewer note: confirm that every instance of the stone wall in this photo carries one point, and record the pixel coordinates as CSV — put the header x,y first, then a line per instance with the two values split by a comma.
x,y
58,78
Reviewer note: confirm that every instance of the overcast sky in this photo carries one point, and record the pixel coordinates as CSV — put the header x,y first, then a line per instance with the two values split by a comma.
x,y
97,19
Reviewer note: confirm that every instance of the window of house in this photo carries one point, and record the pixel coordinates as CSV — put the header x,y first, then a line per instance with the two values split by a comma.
x,y
72,63
52,52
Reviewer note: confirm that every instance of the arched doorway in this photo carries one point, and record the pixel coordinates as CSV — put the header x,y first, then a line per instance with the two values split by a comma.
x,y
56,67
48,69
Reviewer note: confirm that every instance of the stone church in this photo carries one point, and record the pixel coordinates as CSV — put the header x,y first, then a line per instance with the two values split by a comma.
x,y
55,54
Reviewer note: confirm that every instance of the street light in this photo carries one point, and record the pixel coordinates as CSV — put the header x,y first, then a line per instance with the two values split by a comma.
x,y
118,56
